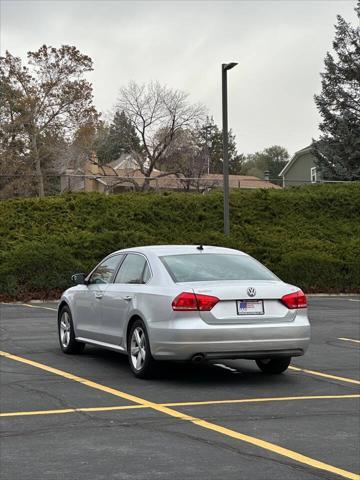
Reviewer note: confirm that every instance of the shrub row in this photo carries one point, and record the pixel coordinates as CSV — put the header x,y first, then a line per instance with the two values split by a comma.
x,y
309,236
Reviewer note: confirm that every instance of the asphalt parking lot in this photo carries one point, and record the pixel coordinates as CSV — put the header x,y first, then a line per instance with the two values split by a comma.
x,y
87,417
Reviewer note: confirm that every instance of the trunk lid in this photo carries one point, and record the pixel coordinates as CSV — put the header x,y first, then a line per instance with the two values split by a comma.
x,y
234,295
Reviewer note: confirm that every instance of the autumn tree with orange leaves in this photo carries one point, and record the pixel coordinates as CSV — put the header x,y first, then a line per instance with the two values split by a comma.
x,y
42,104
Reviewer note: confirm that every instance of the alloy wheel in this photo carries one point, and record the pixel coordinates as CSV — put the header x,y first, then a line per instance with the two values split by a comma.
x,y
65,327
138,348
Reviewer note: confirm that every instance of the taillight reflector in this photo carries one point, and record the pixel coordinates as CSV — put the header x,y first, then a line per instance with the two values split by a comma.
x,y
295,300
189,301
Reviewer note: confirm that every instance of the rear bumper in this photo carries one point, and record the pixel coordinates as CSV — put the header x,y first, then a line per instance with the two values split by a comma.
x,y
296,352
182,339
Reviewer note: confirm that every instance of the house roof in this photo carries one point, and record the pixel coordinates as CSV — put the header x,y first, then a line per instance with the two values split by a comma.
x,y
171,180
295,158
237,181
126,160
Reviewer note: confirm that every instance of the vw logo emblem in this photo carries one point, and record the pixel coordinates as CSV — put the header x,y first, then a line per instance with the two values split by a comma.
x,y
251,292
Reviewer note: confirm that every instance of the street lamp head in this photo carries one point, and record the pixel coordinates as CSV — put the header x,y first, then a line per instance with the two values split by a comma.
x,y
229,66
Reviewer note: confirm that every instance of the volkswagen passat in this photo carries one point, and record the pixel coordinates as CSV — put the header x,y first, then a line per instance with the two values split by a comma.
x,y
185,303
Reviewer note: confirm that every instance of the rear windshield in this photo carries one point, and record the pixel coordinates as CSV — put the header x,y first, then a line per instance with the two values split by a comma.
x,y
202,267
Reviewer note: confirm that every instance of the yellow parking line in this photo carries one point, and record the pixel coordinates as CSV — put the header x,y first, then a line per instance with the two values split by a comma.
x,y
279,450
349,339
298,457
69,410
260,400
177,404
325,375
38,306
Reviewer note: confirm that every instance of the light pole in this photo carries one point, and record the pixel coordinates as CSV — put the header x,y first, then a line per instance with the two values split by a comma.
x,y
224,68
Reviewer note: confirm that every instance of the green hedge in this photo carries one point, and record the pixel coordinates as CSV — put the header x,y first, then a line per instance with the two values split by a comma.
x,y
309,236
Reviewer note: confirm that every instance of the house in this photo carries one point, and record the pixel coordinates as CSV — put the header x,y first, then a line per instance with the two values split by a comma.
x,y
93,177
126,161
124,174
301,169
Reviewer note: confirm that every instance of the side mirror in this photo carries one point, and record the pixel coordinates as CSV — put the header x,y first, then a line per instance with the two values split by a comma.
x,y
78,279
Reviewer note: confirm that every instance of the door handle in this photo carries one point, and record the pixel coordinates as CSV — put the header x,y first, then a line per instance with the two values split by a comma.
x,y
98,295
128,298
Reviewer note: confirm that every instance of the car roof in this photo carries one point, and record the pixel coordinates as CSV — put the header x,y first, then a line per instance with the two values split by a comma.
x,y
160,250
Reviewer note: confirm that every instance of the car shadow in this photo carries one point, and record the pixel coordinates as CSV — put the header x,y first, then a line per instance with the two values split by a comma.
x,y
186,373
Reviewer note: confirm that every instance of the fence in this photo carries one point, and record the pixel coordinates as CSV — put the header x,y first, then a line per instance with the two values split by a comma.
x,y
26,185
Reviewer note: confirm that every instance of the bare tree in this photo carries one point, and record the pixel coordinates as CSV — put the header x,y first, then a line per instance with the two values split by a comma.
x,y
157,114
46,100
187,158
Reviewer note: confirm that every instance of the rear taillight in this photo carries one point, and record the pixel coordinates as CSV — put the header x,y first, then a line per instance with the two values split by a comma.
x,y
185,301
188,301
206,302
295,300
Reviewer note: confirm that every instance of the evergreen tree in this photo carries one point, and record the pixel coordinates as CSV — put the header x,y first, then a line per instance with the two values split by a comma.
x,y
338,148
212,139
120,137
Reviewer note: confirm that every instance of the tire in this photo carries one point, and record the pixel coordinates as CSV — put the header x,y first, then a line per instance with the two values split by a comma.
x,y
273,365
141,361
66,332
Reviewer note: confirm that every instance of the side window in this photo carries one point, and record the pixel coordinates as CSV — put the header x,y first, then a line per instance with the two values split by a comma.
x,y
131,270
105,270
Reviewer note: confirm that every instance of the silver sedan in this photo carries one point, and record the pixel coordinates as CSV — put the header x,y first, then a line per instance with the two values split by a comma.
x,y
185,303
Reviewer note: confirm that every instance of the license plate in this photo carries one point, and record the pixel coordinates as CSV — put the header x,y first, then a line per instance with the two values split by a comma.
x,y
250,307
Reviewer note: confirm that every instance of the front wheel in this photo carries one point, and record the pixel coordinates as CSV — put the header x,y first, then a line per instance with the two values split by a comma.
x,y
273,365
140,359
67,341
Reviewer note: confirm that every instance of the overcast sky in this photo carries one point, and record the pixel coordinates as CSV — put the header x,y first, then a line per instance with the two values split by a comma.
x,y
279,45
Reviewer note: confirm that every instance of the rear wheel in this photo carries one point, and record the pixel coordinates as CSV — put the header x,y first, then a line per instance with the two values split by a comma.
x,y
140,359
68,344
273,365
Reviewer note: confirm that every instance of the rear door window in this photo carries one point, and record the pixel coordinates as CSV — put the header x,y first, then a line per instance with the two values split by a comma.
x,y
133,270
